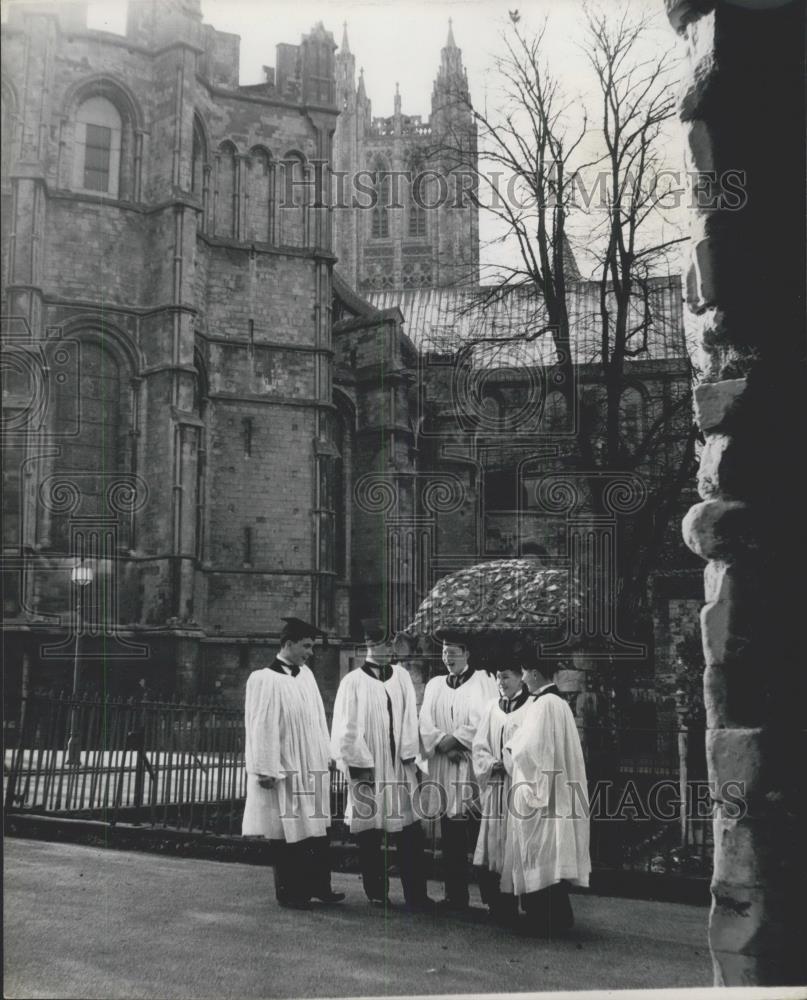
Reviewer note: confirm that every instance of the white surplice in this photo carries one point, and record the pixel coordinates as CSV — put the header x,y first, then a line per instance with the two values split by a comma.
x,y
548,829
495,731
286,739
446,711
360,738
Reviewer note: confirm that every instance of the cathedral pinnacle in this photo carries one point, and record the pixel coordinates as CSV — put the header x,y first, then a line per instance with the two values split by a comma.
x,y
345,47
451,83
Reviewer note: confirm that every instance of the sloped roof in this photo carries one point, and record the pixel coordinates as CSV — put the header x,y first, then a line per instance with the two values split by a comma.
x,y
446,319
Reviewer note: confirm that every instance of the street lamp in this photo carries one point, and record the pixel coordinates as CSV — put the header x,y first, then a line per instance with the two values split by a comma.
x,y
80,576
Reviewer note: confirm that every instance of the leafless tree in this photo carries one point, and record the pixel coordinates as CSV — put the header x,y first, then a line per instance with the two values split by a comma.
x,y
539,140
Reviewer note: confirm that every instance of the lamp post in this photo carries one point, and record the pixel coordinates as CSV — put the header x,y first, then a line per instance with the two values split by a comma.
x,y
80,576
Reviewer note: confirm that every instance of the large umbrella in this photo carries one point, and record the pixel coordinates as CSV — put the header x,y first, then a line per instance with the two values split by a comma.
x,y
512,597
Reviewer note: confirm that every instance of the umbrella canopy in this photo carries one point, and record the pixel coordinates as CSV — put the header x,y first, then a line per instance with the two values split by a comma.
x,y
511,596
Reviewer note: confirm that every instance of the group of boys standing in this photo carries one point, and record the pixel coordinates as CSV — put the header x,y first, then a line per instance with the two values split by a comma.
x,y
500,765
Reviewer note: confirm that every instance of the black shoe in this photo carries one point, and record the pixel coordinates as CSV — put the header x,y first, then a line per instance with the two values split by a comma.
x,y
330,897
382,904
295,904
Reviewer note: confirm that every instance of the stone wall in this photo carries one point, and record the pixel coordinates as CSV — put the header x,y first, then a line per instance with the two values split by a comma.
x,y
743,109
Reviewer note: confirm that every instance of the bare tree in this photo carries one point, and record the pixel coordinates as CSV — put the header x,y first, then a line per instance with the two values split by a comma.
x,y
537,139
529,146
637,101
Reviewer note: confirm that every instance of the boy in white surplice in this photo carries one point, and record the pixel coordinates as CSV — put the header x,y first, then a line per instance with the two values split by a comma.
x,y
501,719
547,847
374,741
286,759
453,705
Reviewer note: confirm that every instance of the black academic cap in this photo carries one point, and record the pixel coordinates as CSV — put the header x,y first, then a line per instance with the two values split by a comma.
x,y
373,630
296,629
452,637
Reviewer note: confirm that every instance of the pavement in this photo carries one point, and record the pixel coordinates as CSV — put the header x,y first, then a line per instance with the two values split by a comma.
x,y
88,922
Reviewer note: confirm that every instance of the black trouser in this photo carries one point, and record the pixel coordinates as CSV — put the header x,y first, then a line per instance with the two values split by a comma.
x,y
501,904
319,862
458,836
302,869
549,911
373,860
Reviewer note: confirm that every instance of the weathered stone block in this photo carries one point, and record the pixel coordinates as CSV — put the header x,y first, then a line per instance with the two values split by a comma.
x,y
720,529
718,582
716,403
691,287
740,918
748,851
720,472
701,275
761,921
722,640
700,146
681,13
736,633
740,755
699,82
731,692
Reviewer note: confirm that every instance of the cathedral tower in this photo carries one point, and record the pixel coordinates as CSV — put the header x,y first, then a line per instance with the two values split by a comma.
x,y
403,217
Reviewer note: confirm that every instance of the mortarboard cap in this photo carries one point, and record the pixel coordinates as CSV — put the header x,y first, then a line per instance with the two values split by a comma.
x,y
452,637
373,630
296,629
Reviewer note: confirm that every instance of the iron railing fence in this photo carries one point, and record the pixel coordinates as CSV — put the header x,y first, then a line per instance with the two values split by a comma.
x,y
650,802
180,766
168,763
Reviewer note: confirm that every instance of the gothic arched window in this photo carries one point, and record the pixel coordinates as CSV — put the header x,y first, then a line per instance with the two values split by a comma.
x,y
101,413
380,227
379,223
417,220
198,158
260,195
416,215
6,132
293,205
226,190
99,129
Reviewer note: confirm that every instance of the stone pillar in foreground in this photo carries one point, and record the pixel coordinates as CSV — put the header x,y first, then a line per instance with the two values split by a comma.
x,y
743,109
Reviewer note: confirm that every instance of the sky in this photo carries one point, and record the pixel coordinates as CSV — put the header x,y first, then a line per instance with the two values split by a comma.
x,y
398,41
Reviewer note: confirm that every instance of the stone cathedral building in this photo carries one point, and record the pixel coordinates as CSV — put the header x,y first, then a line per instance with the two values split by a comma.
x,y
172,326
231,395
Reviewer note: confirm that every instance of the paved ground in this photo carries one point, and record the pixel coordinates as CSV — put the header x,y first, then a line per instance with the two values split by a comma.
x,y
87,922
